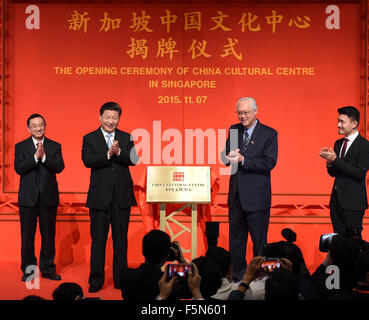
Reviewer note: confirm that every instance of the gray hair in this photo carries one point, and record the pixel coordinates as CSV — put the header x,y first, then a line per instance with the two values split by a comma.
x,y
253,103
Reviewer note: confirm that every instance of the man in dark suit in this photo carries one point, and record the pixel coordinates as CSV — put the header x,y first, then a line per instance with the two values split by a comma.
x,y
109,152
348,163
252,150
37,160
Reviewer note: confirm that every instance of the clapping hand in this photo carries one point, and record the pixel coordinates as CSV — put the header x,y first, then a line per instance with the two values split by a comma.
x,y
234,156
40,152
114,149
328,154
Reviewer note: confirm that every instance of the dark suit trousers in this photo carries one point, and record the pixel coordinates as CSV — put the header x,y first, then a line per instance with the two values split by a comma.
x,y
28,220
99,228
242,222
344,219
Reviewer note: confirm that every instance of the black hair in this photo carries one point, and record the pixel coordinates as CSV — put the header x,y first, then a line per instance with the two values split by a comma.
x,y
155,246
113,106
35,115
344,252
288,250
351,112
221,257
211,277
68,291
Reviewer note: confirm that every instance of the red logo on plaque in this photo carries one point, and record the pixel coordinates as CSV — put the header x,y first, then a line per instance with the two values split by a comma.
x,y
178,176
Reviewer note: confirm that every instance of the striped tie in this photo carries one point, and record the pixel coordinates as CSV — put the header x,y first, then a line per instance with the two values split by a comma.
x,y
245,142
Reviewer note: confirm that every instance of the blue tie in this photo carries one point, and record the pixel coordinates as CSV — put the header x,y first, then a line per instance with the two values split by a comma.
x,y
109,139
244,143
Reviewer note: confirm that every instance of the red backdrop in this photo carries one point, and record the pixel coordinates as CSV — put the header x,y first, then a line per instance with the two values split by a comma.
x,y
301,107
52,71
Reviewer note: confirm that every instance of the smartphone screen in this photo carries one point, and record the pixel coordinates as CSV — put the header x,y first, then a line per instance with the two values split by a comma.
x,y
270,264
178,270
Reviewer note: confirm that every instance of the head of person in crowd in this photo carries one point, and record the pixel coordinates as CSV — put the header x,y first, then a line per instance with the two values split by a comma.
x,y
223,259
68,291
156,247
33,297
343,252
211,276
282,285
288,250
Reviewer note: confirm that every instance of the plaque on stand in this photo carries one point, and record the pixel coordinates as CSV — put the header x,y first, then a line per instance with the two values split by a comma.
x,y
187,185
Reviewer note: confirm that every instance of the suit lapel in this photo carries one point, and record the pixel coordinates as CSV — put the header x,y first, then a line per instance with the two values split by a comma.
x,y
47,145
338,147
354,146
31,148
100,139
240,131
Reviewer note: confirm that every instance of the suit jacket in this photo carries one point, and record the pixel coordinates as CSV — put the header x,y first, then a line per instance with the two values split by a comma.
x,y
38,178
252,180
109,175
350,173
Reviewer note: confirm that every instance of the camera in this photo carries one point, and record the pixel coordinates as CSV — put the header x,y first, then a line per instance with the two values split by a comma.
x,y
173,254
325,241
270,264
353,233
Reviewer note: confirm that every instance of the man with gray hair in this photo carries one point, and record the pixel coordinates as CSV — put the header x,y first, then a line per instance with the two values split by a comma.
x,y
252,150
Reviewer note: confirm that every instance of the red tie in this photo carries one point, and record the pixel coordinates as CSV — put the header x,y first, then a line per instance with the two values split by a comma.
x,y
343,151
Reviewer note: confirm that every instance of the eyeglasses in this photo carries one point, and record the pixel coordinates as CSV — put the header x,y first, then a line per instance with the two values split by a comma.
x,y
35,126
244,113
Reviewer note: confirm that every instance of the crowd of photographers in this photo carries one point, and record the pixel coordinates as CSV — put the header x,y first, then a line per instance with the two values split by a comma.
x,y
279,274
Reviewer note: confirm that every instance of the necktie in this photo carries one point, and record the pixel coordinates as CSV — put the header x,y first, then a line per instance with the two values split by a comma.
x,y
245,142
343,151
109,139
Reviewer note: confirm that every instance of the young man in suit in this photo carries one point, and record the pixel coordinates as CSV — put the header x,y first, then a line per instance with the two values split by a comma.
x,y
348,163
109,152
252,150
37,161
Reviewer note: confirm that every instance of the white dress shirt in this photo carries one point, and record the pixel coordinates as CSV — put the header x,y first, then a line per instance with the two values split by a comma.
x,y
351,138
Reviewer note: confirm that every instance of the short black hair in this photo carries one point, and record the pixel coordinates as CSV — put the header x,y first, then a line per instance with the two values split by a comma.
x,y
35,115
113,106
351,112
156,246
68,291
288,250
221,256
211,276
